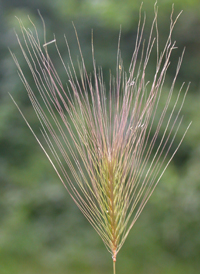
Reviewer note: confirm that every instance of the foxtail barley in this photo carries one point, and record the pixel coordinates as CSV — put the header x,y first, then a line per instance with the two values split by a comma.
x,y
104,145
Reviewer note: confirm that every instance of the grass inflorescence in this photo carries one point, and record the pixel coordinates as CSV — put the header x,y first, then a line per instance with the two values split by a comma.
x,y
104,145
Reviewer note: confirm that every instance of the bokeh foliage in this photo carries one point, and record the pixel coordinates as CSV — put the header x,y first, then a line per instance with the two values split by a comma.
x,y
41,230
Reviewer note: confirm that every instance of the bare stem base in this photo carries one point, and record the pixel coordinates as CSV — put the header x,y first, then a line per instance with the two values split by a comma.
x,y
114,272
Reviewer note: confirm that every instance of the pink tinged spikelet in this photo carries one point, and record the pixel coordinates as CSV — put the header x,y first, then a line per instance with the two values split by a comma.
x,y
102,149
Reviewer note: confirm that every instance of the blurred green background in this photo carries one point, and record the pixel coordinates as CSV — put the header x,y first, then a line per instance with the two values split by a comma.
x,y
41,230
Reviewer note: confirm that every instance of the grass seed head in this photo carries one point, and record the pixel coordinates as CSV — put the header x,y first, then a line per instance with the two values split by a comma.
x,y
104,145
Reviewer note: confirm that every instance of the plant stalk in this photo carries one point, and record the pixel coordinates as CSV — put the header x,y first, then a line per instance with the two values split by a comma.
x,y
114,271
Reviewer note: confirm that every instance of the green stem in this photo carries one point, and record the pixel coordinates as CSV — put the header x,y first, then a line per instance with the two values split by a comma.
x,y
114,272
